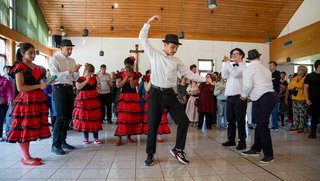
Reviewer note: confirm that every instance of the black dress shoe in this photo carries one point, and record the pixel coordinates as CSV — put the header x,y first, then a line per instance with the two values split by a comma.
x,y
229,143
266,159
67,146
57,150
241,146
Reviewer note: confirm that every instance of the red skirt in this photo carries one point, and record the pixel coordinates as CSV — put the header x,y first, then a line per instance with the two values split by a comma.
x,y
29,118
163,126
129,117
86,113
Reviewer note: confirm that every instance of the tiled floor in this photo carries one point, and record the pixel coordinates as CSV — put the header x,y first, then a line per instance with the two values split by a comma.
x,y
296,158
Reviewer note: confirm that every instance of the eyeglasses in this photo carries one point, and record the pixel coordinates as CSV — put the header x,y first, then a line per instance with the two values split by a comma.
x,y
234,54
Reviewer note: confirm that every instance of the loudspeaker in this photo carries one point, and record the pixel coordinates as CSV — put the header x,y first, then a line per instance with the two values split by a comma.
x,y
288,59
56,41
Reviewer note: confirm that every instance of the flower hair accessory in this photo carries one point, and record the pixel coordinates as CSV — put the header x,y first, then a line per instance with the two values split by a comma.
x,y
132,58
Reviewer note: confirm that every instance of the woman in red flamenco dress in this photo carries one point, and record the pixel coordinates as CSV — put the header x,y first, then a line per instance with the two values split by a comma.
x,y
86,113
129,117
163,127
29,113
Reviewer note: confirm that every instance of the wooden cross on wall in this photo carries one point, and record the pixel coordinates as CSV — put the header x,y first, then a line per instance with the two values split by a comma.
x,y
137,51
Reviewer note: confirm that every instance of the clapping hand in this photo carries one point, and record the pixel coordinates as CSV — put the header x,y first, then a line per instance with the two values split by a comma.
x,y
226,58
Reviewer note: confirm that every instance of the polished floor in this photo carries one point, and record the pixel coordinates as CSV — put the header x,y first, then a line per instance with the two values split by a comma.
x,y
296,158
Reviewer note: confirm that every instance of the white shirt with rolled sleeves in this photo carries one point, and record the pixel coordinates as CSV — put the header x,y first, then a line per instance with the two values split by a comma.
x,y
257,80
59,65
233,74
163,67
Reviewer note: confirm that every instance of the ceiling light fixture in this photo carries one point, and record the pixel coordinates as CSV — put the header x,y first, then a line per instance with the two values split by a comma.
x,y
85,31
268,39
63,33
212,4
112,27
101,52
181,32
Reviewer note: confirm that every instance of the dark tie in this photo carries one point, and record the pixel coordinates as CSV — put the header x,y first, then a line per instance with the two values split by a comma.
x,y
235,65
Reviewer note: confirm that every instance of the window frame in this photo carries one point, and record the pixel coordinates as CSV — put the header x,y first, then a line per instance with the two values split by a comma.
x,y
203,72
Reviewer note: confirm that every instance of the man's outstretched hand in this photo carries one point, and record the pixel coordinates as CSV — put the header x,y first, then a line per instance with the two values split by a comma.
x,y
154,18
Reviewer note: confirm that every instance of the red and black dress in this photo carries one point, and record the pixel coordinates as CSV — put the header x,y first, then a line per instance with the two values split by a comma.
x,y
129,117
29,113
86,113
163,126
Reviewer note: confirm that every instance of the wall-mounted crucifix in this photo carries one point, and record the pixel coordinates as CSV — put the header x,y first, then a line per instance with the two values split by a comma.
x,y
137,51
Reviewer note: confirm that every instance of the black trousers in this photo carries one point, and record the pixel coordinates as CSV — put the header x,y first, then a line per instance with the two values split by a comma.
x,y
208,117
3,112
236,115
315,115
158,100
63,98
263,108
106,103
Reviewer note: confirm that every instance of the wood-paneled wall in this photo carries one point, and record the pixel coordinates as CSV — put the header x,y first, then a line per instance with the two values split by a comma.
x,y
12,36
305,42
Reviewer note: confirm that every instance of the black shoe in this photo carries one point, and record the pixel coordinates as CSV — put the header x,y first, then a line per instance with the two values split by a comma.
x,y
250,153
57,150
266,159
180,156
149,160
109,121
67,146
312,136
241,146
229,143
250,126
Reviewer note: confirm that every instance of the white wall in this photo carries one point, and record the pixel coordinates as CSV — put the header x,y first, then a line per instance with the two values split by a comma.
x,y
117,49
307,14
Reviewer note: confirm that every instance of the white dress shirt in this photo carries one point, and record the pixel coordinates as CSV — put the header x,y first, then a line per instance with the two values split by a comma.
x,y
257,80
105,87
59,65
233,74
163,67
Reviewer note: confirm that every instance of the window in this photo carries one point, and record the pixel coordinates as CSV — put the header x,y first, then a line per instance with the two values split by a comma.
x,y
205,66
10,14
3,57
309,67
42,61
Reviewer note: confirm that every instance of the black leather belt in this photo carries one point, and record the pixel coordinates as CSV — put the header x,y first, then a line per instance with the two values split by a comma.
x,y
161,88
63,85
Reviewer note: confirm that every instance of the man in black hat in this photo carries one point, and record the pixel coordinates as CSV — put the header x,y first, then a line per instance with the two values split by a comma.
x,y
236,108
164,67
257,84
67,71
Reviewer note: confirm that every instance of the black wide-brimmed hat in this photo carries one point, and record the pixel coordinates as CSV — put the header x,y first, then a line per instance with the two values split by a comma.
x,y
171,38
253,54
66,42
